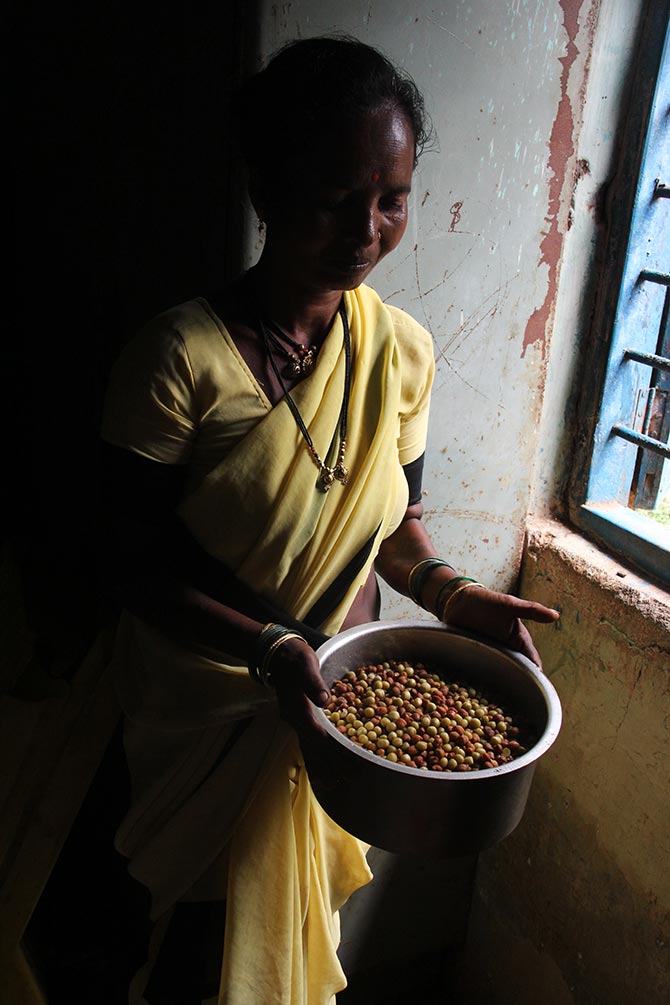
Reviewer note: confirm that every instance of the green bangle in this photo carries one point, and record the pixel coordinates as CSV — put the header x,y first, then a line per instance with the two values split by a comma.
x,y
418,573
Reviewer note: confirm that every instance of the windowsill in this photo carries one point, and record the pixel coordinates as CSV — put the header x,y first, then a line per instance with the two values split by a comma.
x,y
647,543
617,579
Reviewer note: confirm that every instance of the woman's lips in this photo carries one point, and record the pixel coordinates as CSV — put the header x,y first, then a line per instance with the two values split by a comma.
x,y
351,265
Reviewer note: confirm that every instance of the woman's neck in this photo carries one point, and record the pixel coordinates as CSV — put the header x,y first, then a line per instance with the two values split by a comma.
x,y
303,314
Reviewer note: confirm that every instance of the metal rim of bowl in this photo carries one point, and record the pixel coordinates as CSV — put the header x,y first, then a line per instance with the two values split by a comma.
x,y
544,685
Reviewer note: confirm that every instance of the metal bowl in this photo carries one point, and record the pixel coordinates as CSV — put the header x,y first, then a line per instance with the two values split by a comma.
x,y
407,810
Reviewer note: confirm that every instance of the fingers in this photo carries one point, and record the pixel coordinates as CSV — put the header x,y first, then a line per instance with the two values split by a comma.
x,y
521,641
295,666
480,604
532,611
296,709
498,615
313,684
299,684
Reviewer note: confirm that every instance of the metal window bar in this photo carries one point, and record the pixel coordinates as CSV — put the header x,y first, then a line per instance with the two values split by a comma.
x,y
662,278
640,440
658,362
645,494
635,405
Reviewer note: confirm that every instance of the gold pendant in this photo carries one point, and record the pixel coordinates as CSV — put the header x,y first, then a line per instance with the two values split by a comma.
x,y
302,365
307,361
327,478
341,473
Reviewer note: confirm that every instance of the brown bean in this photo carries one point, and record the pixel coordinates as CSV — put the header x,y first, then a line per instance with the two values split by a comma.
x,y
392,706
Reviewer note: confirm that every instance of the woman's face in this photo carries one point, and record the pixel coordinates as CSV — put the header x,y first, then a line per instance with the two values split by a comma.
x,y
343,207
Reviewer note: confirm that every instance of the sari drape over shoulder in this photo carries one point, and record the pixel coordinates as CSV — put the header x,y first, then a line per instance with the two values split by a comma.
x,y
182,394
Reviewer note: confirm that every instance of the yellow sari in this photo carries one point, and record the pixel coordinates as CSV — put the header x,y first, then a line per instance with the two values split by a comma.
x,y
253,503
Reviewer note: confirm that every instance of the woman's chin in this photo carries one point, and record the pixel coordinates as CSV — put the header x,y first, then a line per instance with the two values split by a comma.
x,y
349,275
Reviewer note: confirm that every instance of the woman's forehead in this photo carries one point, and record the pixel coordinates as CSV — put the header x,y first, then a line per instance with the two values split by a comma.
x,y
378,143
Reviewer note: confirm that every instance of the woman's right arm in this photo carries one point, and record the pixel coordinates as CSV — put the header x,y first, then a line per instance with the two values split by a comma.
x,y
153,567
143,554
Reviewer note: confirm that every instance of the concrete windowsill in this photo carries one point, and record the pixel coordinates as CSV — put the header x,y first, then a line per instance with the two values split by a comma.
x,y
619,581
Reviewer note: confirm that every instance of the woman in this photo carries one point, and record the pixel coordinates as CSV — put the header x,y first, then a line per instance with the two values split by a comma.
x,y
264,454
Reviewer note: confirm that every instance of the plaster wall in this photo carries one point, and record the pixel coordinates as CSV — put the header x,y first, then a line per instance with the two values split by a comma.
x,y
479,263
500,263
577,901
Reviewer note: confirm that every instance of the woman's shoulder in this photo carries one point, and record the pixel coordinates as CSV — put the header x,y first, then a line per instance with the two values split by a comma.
x,y
180,339
410,335
170,351
408,328
189,322
414,342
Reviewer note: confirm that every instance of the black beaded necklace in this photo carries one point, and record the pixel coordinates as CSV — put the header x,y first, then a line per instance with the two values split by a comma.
x,y
327,475
302,359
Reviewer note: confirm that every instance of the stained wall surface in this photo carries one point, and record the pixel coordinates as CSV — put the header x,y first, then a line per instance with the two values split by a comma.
x,y
478,265
577,900
501,263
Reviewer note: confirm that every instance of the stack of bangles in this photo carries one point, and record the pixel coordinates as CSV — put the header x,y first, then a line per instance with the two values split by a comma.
x,y
446,594
270,639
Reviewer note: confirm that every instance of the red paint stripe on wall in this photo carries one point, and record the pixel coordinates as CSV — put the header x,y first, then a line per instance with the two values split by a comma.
x,y
561,148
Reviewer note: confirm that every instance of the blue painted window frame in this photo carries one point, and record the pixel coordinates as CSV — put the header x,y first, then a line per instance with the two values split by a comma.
x,y
637,319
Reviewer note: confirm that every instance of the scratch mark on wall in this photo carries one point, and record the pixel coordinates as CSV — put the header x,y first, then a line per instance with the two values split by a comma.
x,y
629,701
470,514
423,201
485,311
561,148
449,272
418,286
442,28
396,293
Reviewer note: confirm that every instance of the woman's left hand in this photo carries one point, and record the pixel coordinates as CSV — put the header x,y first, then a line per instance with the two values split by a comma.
x,y
297,680
499,616
300,687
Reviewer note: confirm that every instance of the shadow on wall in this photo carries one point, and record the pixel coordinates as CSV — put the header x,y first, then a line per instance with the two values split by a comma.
x,y
124,207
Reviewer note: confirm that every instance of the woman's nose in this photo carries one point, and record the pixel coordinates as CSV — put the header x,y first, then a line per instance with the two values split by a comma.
x,y
364,226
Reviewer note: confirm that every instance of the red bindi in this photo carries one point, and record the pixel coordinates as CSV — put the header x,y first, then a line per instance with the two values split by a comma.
x,y
375,175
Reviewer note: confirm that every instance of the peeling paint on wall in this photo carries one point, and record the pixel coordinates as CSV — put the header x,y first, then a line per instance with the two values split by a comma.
x,y
561,149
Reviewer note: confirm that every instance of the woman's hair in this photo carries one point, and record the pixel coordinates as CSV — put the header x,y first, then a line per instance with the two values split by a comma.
x,y
312,83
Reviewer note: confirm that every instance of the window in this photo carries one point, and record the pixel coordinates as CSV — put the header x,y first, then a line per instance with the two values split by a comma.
x,y
627,501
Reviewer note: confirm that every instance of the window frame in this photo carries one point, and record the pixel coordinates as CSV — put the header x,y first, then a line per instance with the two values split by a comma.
x,y
605,465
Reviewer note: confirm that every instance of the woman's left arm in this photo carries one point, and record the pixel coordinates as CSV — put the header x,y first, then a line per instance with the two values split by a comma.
x,y
475,608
